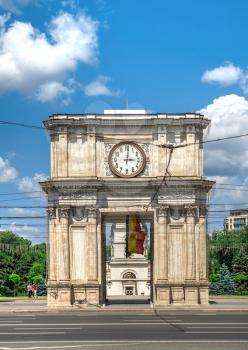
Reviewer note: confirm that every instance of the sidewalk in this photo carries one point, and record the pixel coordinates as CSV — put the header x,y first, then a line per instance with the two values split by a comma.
x,y
39,306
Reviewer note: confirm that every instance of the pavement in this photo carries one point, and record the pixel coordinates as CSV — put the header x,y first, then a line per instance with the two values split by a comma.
x,y
119,330
38,305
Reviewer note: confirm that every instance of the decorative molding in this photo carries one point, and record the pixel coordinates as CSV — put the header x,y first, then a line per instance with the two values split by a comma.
x,y
107,169
108,147
177,195
51,212
92,212
190,210
146,148
162,210
84,213
64,212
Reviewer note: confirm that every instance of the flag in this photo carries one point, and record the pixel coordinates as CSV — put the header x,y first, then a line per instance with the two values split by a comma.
x,y
135,236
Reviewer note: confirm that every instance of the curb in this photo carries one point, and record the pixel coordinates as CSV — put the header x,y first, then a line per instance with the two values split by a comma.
x,y
102,310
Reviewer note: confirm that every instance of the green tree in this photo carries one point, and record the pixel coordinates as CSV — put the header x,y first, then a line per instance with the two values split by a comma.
x,y
14,278
37,269
19,255
225,285
240,262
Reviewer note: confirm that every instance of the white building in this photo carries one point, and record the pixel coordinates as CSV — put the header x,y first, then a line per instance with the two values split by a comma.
x,y
237,219
126,275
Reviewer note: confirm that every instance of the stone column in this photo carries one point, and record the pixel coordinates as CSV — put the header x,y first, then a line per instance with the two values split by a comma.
x,y
52,257
64,295
92,245
190,244
162,214
52,249
191,290
202,244
64,256
203,261
161,291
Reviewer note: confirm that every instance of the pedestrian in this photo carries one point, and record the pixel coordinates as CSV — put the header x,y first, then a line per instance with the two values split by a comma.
x,y
34,289
30,290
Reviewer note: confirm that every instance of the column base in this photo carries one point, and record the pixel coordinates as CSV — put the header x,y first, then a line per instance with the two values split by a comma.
x,y
85,295
58,294
177,294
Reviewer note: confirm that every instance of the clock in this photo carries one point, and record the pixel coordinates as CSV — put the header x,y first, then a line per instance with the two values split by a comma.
x,y
127,159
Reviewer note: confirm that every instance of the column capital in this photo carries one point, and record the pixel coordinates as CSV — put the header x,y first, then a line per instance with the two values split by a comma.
x,y
51,212
64,212
190,210
162,210
92,212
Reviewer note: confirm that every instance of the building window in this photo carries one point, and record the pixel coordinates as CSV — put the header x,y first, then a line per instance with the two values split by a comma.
x,y
129,275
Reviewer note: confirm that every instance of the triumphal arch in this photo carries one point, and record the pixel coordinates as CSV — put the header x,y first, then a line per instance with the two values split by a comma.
x,y
119,163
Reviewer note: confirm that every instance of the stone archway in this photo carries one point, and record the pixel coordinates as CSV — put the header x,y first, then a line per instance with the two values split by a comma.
x,y
84,187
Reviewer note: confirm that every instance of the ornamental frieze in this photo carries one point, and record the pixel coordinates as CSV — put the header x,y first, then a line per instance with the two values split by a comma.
x,y
64,212
191,210
84,213
51,212
163,210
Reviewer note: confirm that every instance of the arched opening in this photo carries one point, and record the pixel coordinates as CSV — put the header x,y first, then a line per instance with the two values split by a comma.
x,y
129,275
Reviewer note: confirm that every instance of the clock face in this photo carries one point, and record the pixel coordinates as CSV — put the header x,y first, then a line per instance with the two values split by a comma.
x,y
127,159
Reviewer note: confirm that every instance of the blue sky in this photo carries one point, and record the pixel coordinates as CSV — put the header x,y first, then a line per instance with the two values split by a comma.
x,y
166,56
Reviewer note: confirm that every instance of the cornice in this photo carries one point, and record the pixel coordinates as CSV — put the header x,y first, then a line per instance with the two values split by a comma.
x,y
98,184
67,121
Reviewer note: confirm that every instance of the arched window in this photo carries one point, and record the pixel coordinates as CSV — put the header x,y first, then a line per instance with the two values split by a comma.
x,y
129,275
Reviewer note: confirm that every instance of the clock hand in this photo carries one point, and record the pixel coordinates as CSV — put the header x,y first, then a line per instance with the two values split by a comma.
x,y
127,156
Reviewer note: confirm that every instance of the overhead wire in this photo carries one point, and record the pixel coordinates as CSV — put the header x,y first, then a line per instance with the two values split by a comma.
x,y
4,122
169,146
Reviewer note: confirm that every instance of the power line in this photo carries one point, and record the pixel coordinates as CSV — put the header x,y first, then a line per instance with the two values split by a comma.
x,y
163,179
21,198
30,126
4,122
17,193
23,217
22,225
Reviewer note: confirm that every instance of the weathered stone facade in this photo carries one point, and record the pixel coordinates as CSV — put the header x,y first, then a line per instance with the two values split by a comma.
x,y
83,193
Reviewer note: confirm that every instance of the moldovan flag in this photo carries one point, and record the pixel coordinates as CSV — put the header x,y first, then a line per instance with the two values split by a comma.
x,y
135,236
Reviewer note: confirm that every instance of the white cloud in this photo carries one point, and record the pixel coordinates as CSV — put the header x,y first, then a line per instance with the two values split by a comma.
x,y
226,162
23,228
50,91
7,172
99,87
228,114
15,5
39,63
30,184
225,75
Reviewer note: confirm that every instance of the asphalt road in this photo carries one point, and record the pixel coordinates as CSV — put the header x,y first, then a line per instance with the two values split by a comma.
x,y
129,330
